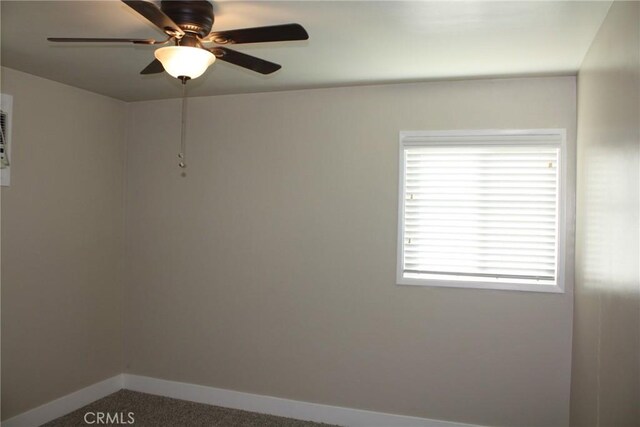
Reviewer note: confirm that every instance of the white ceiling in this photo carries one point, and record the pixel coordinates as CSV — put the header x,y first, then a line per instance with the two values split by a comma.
x,y
357,42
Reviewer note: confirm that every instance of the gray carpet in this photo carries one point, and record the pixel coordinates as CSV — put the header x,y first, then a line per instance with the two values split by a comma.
x,y
156,411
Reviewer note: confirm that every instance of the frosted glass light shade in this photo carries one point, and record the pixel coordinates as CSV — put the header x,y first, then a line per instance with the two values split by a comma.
x,y
184,61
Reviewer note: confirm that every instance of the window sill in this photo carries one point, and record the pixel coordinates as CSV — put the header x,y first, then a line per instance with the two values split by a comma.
x,y
503,286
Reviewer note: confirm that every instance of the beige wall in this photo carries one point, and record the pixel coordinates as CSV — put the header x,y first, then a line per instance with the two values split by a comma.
x,y
270,267
62,241
606,353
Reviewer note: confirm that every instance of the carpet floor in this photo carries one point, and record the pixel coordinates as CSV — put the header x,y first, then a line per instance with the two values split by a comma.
x,y
157,411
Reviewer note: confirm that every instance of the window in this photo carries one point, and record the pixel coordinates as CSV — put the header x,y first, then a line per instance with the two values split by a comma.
x,y
482,209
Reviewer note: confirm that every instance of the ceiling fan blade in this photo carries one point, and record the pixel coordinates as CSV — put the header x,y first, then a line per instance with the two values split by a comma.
x,y
155,15
246,61
154,68
274,33
100,40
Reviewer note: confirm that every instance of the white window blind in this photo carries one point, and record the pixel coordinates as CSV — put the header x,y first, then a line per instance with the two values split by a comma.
x,y
481,208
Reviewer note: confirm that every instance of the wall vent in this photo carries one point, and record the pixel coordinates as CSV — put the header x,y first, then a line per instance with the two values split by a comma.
x,y
6,109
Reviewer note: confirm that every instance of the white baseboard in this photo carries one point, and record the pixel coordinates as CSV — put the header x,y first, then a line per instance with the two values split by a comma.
x,y
220,397
277,406
69,403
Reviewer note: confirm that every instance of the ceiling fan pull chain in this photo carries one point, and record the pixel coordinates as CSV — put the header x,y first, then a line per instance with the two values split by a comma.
x,y
183,146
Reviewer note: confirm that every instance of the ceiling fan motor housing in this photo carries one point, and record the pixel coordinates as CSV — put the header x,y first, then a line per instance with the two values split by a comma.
x,y
192,16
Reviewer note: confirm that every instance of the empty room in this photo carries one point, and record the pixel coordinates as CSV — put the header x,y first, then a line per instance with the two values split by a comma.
x,y
306,213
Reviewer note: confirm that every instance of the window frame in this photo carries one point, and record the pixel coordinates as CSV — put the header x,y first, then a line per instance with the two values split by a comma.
x,y
480,137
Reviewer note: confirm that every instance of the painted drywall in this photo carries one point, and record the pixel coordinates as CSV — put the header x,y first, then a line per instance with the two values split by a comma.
x,y
62,242
606,352
270,267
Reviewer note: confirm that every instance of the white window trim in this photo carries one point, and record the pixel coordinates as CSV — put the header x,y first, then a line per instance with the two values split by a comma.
x,y
412,138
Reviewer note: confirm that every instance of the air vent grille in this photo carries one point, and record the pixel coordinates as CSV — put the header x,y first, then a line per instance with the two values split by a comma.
x,y
3,122
6,144
3,138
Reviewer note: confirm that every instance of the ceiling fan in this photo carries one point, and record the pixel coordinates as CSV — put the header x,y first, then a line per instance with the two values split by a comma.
x,y
188,23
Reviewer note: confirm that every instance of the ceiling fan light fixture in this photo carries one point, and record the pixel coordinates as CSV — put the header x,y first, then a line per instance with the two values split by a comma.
x,y
185,61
